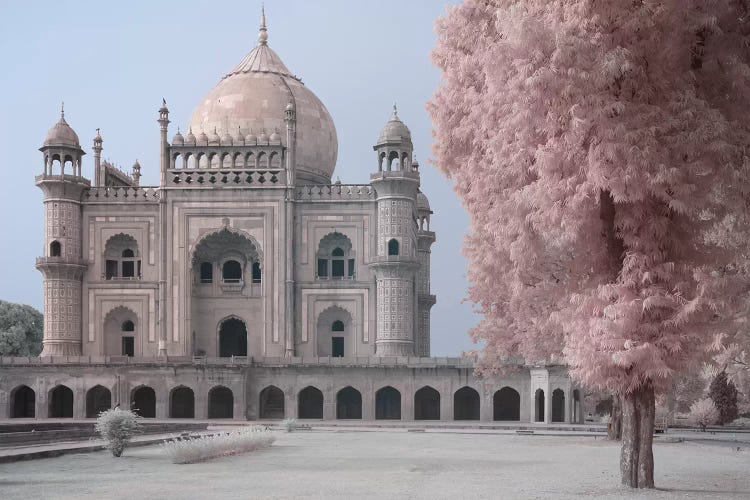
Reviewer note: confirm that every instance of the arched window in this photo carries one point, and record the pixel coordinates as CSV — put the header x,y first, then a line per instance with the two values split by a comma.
x,y
128,263
337,326
122,259
128,341
207,272
256,272
393,247
55,249
232,272
335,257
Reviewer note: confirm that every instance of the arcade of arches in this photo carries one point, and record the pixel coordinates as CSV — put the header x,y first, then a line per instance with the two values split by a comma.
x,y
220,403
350,402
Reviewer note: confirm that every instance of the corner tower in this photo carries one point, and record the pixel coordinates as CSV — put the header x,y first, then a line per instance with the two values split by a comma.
x,y
62,266
395,265
425,239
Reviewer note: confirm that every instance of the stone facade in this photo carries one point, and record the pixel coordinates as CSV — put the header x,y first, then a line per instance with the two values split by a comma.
x,y
245,268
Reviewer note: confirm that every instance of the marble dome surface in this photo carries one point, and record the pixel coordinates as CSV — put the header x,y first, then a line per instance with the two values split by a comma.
x,y
252,98
61,134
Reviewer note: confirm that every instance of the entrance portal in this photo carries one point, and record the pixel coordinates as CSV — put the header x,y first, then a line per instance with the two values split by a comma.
x,y
466,404
310,403
220,403
348,403
143,402
61,402
427,404
98,399
388,404
506,404
272,403
23,402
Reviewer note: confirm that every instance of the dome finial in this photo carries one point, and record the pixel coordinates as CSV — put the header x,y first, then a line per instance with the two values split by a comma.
x,y
62,110
395,112
263,34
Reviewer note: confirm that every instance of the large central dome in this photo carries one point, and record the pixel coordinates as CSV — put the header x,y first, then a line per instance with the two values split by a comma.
x,y
253,97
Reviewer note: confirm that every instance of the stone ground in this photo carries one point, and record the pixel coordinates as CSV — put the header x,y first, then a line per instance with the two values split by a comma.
x,y
392,464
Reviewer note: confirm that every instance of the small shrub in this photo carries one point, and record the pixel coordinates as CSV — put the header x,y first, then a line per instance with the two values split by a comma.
x,y
724,394
117,427
703,412
189,451
289,424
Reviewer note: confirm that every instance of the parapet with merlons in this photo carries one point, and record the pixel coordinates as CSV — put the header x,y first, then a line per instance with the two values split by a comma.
x,y
121,194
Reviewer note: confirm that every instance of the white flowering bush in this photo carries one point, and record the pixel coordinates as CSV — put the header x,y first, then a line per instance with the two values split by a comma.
x,y
289,424
704,412
189,451
117,427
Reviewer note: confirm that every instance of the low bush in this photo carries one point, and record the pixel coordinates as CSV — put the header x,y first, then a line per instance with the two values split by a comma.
x,y
188,451
704,413
117,427
289,424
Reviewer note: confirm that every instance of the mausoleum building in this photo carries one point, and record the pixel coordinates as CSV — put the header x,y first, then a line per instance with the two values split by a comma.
x,y
247,284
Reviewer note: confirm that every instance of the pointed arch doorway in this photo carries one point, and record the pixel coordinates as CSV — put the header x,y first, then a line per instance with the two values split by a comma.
x,y
232,338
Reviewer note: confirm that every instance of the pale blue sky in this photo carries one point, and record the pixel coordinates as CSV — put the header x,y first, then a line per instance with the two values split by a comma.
x,y
112,62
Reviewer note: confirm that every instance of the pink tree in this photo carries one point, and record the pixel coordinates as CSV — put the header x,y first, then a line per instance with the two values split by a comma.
x,y
599,148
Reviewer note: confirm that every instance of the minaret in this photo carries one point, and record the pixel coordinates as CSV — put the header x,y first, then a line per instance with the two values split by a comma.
x,y
395,264
62,265
98,172
425,300
162,305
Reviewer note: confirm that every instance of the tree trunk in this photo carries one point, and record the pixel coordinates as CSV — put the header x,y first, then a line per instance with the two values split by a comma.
x,y
614,429
636,456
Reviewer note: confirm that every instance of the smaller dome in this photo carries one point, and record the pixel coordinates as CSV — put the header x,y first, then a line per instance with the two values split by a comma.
x,y
395,130
136,166
214,139
250,139
263,138
190,139
423,204
239,139
202,139
61,134
226,139
178,140
275,138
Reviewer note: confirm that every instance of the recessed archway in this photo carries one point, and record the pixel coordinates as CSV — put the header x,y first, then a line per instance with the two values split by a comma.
x,y
558,405
348,403
182,403
427,404
98,399
539,406
310,403
143,402
466,404
272,403
388,404
232,338
22,402
220,402
61,402
506,405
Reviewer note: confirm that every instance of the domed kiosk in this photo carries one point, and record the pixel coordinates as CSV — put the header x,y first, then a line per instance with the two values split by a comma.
x,y
253,96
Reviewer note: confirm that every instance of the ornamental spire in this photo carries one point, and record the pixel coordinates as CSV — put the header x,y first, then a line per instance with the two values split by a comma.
x,y
263,33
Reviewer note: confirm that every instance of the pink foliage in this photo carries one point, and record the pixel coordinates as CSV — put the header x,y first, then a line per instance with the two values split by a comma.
x,y
574,127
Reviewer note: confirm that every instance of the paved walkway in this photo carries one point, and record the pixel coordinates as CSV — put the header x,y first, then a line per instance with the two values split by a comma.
x,y
725,437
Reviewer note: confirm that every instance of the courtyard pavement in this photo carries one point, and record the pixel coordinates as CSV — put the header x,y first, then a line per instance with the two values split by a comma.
x,y
394,463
